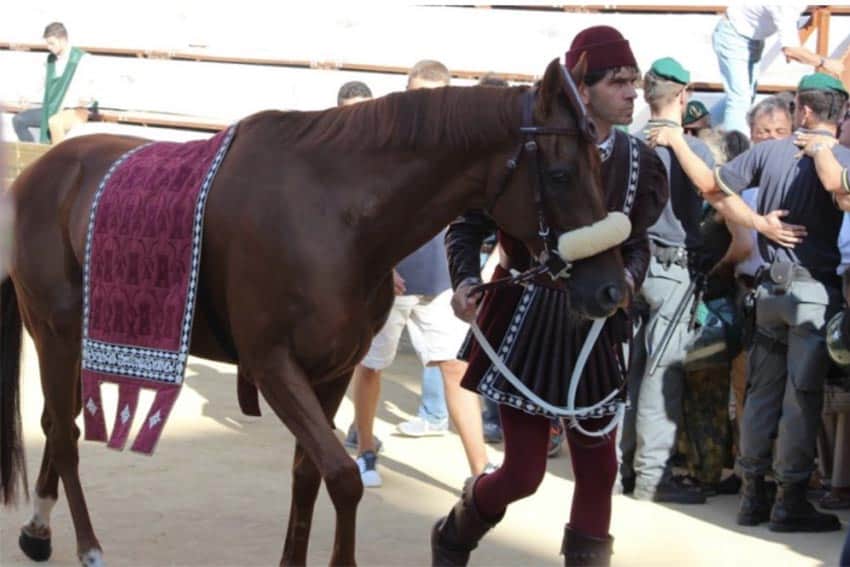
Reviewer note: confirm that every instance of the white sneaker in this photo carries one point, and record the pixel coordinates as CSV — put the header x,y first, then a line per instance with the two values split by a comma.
x,y
368,465
419,427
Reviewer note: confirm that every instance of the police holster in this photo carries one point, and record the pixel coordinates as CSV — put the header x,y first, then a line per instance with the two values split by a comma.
x,y
748,318
781,274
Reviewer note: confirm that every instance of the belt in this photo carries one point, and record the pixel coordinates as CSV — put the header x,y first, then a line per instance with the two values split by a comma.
x,y
746,280
668,255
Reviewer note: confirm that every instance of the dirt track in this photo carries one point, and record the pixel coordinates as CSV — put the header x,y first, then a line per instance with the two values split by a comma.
x,y
216,492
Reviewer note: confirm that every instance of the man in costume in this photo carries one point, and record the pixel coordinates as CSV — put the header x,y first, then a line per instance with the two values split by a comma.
x,y
63,105
628,168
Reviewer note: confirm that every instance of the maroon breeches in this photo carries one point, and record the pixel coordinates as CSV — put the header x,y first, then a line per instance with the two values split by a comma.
x,y
526,442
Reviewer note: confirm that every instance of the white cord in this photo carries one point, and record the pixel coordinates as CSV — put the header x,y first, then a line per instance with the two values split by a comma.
x,y
570,410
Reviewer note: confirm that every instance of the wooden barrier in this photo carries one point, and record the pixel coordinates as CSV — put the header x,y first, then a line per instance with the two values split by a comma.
x,y
18,155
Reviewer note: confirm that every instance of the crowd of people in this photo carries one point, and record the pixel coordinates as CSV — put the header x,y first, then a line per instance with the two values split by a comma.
x,y
717,359
749,238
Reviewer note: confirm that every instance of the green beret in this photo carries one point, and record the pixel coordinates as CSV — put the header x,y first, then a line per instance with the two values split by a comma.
x,y
821,82
670,69
693,112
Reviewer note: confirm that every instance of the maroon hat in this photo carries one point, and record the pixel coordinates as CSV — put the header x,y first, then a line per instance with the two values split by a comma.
x,y
604,47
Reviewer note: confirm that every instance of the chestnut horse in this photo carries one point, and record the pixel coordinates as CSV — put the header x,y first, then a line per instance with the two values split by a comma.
x,y
308,214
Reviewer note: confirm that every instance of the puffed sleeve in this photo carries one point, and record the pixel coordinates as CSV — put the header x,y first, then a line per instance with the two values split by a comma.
x,y
652,194
463,244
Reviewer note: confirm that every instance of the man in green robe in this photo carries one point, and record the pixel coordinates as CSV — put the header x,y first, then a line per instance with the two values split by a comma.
x,y
56,114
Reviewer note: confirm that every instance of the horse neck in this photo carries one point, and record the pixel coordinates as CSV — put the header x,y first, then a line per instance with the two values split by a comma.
x,y
442,180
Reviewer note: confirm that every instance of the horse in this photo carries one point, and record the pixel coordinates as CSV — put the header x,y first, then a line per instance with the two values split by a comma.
x,y
306,218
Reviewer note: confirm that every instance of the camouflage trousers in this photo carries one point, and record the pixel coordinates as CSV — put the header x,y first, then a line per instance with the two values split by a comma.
x,y
706,432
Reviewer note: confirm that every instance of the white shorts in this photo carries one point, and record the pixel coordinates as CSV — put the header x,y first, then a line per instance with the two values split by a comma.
x,y
434,330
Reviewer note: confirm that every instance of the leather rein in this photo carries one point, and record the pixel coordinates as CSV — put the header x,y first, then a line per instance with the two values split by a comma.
x,y
549,261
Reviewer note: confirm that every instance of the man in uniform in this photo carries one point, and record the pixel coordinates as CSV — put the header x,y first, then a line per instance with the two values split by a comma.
x,y
695,118
649,430
795,296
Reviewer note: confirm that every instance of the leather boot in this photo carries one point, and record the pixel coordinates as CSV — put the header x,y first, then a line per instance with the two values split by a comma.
x,y
792,512
454,537
755,503
580,550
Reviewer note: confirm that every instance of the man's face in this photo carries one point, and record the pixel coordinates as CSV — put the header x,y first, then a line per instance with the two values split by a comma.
x,y
415,84
56,45
694,127
612,100
773,125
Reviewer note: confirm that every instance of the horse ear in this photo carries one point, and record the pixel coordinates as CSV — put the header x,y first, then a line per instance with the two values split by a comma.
x,y
551,86
579,69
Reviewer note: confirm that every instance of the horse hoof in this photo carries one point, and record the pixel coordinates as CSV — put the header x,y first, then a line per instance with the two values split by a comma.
x,y
36,548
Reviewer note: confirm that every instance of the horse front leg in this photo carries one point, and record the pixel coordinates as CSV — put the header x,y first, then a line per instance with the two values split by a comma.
x,y
289,392
306,479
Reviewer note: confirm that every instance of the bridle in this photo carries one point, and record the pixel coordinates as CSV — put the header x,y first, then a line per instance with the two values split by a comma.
x,y
549,261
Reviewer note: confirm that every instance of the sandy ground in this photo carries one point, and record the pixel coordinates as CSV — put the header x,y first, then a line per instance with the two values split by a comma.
x,y
216,492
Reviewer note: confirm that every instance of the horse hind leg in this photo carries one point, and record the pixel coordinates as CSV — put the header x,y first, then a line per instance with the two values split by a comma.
x,y
287,389
306,480
35,538
58,346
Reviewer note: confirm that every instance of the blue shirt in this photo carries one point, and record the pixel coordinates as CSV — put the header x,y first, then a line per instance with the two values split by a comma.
x,y
791,183
426,271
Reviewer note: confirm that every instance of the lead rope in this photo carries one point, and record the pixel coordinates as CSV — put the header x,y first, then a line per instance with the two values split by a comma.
x,y
570,411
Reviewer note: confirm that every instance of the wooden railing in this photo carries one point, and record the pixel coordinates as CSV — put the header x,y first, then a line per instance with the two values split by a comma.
x,y
819,19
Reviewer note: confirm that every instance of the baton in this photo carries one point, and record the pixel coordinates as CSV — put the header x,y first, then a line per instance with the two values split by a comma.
x,y
668,332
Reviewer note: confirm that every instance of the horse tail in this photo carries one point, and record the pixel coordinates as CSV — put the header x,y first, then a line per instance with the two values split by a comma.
x,y
12,464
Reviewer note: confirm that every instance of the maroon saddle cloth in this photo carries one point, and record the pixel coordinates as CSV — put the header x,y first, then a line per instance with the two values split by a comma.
x,y
143,253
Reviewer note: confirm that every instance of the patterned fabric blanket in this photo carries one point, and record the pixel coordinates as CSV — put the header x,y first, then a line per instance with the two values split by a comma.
x,y
143,252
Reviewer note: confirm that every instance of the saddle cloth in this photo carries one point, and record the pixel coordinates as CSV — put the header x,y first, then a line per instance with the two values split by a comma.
x,y
140,281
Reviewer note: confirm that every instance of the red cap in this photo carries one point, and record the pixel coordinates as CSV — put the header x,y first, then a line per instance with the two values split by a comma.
x,y
604,48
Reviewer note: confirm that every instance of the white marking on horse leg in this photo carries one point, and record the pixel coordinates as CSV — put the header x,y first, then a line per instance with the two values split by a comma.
x,y
42,507
92,558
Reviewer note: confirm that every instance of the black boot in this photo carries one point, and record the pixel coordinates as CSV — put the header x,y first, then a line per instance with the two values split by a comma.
x,y
792,512
580,550
755,503
454,537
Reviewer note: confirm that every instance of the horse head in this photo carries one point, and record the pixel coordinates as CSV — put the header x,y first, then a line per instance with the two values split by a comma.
x,y
565,223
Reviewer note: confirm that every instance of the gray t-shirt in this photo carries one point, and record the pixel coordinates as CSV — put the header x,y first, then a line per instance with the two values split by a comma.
x,y
678,224
791,183
426,271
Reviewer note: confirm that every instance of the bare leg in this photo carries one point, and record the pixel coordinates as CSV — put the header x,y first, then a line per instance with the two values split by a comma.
x,y
366,389
306,481
465,412
288,391
61,122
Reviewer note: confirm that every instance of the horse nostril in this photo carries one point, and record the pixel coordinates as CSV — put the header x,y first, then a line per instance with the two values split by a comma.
x,y
611,295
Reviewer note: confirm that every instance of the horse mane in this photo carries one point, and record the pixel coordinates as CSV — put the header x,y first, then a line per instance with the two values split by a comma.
x,y
459,118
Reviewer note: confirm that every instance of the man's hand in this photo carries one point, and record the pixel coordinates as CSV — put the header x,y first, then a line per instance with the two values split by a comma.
x,y
832,67
782,233
465,301
398,283
811,144
663,135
